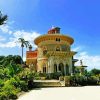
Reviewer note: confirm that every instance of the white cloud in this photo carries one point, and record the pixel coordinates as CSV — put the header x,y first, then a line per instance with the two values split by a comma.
x,y
5,29
14,35
76,48
88,60
8,44
29,36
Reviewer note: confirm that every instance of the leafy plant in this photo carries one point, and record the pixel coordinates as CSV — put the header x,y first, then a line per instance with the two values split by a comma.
x,y
10,90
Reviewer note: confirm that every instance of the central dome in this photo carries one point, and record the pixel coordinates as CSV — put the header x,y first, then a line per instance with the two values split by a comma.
x,y
54,34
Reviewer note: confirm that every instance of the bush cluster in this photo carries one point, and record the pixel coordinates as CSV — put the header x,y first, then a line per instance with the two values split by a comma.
x,y
14,78
83,80
55,75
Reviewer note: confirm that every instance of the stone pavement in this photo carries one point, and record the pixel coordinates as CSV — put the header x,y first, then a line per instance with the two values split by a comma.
x,y
63,93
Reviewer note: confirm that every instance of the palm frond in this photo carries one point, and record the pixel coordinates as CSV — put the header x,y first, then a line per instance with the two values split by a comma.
x,y
3,18
21,39
23,42
27,44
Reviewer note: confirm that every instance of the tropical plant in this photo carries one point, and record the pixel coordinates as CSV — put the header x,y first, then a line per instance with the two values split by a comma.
x,y
14,69
9,91
23,43
3,18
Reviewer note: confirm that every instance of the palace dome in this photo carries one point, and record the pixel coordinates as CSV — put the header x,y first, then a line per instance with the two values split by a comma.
x,y
54,34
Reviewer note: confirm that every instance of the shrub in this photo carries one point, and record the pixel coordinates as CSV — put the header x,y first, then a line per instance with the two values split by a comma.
x,y
36,74
10,90
83,80
92,81
37,78
30,77
73,81
55,75
42,74
1,83
3,96
23,86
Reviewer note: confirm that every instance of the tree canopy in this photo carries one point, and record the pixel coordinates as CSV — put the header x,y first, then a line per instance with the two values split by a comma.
x,y
5,60
95,71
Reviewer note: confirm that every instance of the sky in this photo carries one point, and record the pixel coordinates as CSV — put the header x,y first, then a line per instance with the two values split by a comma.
x,y
79,19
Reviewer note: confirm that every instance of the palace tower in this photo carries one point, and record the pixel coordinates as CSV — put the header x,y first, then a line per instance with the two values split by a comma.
x,y
53,53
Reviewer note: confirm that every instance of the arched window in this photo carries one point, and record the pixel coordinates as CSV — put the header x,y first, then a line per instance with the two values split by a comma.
x,y
44,68
61,68
57,48
58,39
44,50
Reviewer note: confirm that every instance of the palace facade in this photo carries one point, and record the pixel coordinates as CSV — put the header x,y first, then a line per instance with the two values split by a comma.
x,y
53,53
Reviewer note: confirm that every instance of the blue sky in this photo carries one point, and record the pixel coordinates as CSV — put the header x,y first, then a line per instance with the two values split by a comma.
x,y
31,18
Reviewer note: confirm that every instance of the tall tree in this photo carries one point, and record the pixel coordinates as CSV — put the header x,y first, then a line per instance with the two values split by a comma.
x,y
23,43
3,18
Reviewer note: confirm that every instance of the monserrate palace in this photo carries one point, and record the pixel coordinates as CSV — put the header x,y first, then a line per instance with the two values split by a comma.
x,y
53,53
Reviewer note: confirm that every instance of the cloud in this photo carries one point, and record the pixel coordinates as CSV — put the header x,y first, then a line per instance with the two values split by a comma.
x,y
8,44
88,60
14,35
5,29
28,36
76,48
2,38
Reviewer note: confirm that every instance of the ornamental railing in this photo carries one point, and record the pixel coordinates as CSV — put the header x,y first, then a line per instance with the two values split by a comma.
x,y
60,53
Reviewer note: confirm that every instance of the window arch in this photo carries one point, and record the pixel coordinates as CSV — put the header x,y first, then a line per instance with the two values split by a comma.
x,y
44,68
44,50
61,68
57,48
58,39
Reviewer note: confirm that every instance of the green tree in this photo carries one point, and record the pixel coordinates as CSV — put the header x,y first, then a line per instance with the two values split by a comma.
x,y
3,18
23,43
4,61
14,69
95,71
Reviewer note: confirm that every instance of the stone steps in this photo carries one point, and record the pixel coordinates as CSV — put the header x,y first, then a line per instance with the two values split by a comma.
x,y
47,84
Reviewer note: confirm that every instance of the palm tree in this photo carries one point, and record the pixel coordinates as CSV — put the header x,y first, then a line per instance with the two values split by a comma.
x,y
3,18
23,43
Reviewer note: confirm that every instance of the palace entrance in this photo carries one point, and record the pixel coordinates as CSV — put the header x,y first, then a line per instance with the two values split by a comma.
x,y
61,68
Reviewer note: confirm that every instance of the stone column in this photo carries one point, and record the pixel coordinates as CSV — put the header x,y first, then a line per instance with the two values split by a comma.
x,y
46,68
50,66
57,67
70,65
65,69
